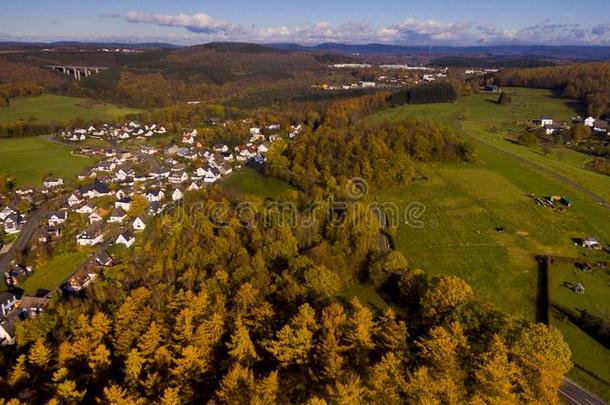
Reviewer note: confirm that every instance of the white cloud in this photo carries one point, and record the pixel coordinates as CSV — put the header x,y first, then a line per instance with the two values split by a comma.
x,y
411,31
355,31
199,23
200,27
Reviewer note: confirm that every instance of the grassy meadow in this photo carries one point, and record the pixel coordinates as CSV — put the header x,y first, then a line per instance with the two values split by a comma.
x,y
48,108
591,358
249,181
29,159
53,272
465,203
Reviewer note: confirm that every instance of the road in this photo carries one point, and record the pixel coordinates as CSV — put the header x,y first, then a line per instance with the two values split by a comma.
x,y
574,394
383,243
23,238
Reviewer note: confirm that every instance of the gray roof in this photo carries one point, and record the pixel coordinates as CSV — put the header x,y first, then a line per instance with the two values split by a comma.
x,y
6,297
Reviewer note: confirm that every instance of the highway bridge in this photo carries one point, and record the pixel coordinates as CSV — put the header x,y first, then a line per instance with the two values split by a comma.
x,y
78,72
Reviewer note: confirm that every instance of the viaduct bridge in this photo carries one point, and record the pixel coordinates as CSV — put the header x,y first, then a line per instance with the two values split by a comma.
x,y
78,72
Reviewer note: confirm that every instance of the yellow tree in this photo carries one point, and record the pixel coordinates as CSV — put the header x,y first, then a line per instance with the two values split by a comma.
x,y
241,347
495,375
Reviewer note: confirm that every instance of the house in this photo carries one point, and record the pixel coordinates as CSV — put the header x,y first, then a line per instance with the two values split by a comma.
x,y
16,273
591,243
90,236
138,224
51,182
57,218
7,303
553,129
95,216
273,127
32,306
546,120
589,122
600,127
6,212
262,148
154,195
74,200
170,150
220,148
86,209
97,189
212,176
12,224
255,131
155,208
80,280
104,259
53,232
192,187
117,216
7,331
160,172
178,177
177,195
225,168
127,238
124,203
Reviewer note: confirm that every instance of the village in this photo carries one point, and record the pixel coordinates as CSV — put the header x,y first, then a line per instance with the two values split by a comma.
x,y
107,206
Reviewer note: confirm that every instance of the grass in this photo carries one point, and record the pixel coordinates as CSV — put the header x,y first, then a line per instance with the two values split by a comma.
x,y
497,125
591,358
251,182
48,108
29,159
464,203
54,272
367,295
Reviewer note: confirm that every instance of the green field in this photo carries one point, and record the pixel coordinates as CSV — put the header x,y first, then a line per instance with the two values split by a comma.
x,y
29,159
465,203
48,108
54,272
591,358
249,181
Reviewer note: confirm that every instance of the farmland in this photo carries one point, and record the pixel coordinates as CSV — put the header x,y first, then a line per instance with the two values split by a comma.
x,y
466,203
48,108
29,159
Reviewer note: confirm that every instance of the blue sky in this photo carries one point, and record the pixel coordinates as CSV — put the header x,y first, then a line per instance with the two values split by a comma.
x,y
440,22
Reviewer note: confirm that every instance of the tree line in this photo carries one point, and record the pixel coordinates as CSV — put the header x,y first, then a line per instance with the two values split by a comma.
x,y
589,83
426,93
382,153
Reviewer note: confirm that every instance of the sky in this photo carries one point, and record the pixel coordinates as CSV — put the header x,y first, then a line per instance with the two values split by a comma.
x,y
308,22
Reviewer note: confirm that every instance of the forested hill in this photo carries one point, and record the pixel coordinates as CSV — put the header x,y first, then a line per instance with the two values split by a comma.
x,y
587,82
255,315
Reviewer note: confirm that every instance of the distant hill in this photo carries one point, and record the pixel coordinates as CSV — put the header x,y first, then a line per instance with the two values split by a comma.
x,y
539,51
109,45
241,47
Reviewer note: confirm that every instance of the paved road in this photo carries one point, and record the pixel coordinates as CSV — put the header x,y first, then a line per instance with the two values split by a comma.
x,y
23,238
383,243
574,394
